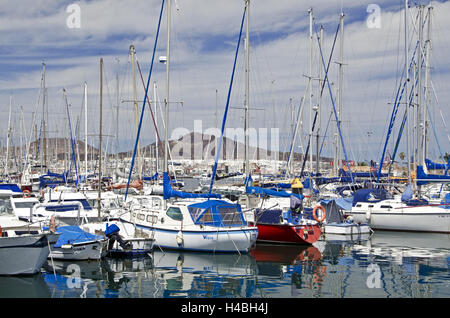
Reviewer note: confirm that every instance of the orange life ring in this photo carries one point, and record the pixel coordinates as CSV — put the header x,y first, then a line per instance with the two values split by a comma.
x,y
323,213
26,193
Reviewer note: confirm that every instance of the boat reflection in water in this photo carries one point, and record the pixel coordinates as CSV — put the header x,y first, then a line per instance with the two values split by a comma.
x,y
191,274
387,265
283,270
410,264
109,278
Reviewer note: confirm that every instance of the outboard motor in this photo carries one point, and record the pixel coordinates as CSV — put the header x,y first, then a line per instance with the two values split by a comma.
x,y
112,233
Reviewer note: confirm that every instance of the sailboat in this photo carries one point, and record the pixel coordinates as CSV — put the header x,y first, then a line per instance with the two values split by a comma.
x,y
123,239
186,221
411,211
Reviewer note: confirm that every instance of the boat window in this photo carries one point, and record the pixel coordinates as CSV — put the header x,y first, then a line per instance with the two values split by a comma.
x,y
5,207
141,217
230,216
385,207
206,217
358,205
152,219
195,212
174,213
370,205
25,232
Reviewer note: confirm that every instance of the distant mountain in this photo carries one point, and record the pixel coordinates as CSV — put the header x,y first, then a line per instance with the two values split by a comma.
x,y
191,146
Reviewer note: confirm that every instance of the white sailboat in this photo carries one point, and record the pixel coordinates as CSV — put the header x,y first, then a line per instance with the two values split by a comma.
x,y
185,221
411,211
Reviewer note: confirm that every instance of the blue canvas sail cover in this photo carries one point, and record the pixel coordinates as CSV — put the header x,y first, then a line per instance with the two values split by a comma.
x,y
436,166
217,213
10,186
446,201
373,174
74,234
268,192
423,178
152,178
369,195
168,192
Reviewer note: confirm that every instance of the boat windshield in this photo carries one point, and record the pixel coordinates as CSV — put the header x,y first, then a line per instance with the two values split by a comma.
x,y
5,207
25,205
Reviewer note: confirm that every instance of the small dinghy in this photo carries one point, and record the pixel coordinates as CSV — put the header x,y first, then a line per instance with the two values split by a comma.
x,y
124,239
76,244
338,223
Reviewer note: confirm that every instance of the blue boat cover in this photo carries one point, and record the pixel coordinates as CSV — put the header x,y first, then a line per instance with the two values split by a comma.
x,y
436,166
168,192
10,186
423,178
369,195
74,234
217,213
268,216
446,201
154,177
263,191
270,192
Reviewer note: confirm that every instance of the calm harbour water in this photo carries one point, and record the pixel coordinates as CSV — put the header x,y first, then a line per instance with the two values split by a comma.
x,y
387,265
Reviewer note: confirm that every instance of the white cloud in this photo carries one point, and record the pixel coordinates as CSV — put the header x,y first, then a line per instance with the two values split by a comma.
x,y
279,59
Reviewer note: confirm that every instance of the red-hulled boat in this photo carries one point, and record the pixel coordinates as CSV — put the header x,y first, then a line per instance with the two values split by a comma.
x,y
274,226
285,254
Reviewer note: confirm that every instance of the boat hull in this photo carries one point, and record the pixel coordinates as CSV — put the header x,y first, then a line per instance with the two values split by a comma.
x,y
25,255
229,240
288,234
93,250
411,219
346,228
140,246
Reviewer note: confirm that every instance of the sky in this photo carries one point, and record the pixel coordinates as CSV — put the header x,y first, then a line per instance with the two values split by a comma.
x,y
204,36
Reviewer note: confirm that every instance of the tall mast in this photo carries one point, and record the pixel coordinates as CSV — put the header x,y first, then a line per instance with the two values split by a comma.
x,y
420,158
408,151
247,87
310,85
427,86
117,112
339,97
166,110
85,130
8,136
133,58
43,158
319,100
156,124
100,142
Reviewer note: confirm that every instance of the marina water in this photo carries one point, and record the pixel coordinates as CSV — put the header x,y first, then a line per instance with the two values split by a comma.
x,y
386,265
